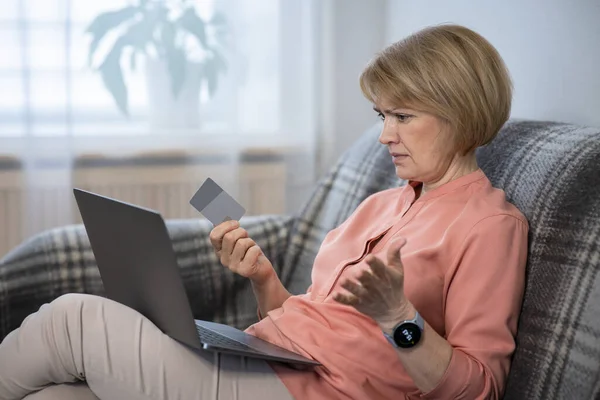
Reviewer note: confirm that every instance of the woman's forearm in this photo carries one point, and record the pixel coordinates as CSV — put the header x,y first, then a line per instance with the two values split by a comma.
x,y
426,363
270,293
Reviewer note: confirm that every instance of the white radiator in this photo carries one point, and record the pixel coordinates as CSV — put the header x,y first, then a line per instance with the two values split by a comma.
x,y
164,182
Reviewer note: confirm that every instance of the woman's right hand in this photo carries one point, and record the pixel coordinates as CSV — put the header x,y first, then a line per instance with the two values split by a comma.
x,y
239,253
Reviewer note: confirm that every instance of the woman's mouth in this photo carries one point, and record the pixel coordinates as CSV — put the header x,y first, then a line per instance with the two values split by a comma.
x,y
397,157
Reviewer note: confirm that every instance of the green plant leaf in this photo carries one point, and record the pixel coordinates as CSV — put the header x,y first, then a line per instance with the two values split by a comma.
x,y
192,23
211,75
133,60
104,23
176,63
112,76
137,36
212,67
219,23
219,60
218,19
174,57
149,23
140,33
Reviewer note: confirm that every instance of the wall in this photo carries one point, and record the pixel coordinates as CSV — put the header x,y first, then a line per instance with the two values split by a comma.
x,y
350,33
551,47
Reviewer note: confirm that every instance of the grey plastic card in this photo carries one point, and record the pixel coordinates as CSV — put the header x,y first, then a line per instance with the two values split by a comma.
x,y
216,204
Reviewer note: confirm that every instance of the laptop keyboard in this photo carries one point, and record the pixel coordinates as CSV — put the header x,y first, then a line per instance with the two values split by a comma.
x,y
216,339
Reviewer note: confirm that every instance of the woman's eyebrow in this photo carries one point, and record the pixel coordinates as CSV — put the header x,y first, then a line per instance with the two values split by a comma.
x,y
388,111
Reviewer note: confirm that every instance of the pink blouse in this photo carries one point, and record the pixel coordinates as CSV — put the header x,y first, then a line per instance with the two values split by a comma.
x,y
464,264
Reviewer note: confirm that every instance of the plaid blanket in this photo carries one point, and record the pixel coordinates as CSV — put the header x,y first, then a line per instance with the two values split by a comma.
x,y
548,170
61,261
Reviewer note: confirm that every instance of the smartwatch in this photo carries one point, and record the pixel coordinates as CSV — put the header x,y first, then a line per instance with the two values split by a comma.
x,y
407,334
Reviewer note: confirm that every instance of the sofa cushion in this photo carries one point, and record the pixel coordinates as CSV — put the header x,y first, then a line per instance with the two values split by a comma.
x,y
550,172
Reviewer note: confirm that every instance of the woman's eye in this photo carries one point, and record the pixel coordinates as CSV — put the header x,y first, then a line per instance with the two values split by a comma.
x,y
381,116
402,117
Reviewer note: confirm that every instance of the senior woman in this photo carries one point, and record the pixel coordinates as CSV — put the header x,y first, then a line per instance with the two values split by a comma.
x,y
416,295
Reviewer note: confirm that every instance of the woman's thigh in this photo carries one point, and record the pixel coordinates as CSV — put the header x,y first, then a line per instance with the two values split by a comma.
x,y
143,360
249,378
239,378
123,355
65,391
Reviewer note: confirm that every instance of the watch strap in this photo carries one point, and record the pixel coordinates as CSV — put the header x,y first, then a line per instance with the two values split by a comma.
x,y
418,320
390,339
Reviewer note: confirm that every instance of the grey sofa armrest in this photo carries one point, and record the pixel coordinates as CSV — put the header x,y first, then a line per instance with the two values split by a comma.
x,y
60,261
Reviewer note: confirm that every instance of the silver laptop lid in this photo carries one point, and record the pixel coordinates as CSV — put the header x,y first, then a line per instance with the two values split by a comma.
x,y
137,263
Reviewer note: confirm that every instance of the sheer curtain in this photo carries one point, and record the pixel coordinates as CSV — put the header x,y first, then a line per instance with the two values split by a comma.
x,y
60,127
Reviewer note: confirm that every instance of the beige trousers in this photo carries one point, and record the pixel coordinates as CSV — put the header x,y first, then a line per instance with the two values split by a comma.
x,y
88,347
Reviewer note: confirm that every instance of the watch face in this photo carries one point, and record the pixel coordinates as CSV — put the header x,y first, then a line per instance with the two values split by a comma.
x,y
407,335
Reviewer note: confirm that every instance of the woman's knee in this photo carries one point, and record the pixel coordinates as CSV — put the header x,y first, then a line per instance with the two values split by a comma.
x,y
75,300
88,310
76,304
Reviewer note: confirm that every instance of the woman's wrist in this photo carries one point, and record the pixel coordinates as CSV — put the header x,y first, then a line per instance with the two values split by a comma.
x,y
269,292
264,278
406,312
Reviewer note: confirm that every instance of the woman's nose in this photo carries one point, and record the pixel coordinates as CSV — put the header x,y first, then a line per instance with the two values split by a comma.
x,y
387,135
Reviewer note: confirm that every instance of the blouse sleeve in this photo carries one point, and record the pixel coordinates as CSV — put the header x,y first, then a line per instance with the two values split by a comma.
x,y
483,295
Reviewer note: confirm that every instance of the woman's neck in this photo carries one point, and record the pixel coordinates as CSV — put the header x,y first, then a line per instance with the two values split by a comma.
x,y
460,166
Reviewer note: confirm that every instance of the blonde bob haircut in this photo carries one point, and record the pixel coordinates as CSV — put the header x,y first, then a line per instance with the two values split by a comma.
x,y
449,71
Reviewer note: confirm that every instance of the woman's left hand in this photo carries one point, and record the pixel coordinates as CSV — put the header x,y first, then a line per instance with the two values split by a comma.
x,y
379,290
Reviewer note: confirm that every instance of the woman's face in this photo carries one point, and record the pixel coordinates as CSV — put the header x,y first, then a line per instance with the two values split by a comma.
x,y
418,141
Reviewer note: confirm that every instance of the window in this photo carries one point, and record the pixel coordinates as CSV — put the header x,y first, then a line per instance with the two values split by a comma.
x,y
47,88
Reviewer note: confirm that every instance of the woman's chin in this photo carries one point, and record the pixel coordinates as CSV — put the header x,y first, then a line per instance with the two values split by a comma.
x,y
403,172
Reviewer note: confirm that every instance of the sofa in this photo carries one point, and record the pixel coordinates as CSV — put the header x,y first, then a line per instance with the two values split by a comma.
x,y
549,170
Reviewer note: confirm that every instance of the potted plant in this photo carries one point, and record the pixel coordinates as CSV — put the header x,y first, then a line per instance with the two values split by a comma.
x,y
182,52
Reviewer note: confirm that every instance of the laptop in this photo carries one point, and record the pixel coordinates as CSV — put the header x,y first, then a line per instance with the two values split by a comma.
x,y
138,268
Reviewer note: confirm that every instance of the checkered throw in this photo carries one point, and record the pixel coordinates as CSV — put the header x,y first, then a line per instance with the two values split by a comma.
x,y
548,170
